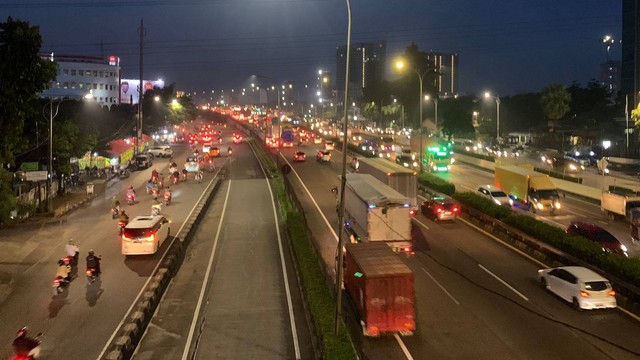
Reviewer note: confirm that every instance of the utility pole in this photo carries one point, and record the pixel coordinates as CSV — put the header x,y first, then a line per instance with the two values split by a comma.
x,y
140,88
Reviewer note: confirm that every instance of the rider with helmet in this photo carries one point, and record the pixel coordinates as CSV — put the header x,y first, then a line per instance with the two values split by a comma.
x,y
63,271
93,262
229,150
72,250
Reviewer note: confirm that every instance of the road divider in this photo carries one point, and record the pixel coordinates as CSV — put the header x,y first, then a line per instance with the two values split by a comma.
x,y
130,332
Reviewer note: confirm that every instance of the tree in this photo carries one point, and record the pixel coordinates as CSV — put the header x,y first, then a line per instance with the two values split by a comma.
x,y
635,116
457,117
555,102
371,111
23,74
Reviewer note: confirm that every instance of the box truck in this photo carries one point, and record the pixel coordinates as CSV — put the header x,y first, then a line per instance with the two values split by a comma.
x,y
527,187
376,212
381,288
618,204
396,176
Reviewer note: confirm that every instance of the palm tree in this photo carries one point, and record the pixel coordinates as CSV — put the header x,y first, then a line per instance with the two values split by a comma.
x,y
555,102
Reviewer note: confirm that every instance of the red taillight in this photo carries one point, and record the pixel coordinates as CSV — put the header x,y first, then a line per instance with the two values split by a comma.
x,y
89,272
456,209
150,238
373,331
584,294
56,281
439,210
412,213
611,293
410,326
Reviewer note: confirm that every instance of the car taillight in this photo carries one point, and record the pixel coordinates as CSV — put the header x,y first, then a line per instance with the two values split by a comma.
x,y
412,213
150,238
584,294
439,210
410,325
611,293
456,209
126,238
373,330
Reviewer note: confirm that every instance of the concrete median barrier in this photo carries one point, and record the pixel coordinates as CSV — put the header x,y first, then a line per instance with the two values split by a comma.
x,y
131,331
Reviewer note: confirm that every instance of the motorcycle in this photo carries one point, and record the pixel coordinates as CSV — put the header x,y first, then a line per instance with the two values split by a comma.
x,y
121,225
156,209
131,198
34,348
154,193
91,275
176,178
229,151
59,284
198,177
167,198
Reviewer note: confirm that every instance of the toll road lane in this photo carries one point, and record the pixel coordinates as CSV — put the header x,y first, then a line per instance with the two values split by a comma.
x,y
467,178
495,317
231,297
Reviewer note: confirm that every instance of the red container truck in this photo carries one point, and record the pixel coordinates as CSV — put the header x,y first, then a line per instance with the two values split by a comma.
x,y
381,288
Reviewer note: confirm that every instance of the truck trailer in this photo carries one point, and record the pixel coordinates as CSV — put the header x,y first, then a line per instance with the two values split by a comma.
x,y
618,204
398,177
527,187
381,288
376,212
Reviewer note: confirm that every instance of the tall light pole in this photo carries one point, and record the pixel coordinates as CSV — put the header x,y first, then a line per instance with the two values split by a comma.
x,y
343,178
608,41
401,64
488,95
435,105
274,86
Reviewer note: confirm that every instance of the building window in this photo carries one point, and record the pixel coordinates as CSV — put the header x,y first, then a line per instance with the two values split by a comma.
x,y
65,71
81,72
80,85
95,73
101,73
73,85
88,85
65,85
100,99
95,86
73,72
58,85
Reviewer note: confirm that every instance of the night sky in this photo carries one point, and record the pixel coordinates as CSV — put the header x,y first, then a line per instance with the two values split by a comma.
x,y
507,47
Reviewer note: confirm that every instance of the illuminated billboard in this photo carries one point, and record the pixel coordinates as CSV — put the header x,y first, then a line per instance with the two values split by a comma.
x,y
129,89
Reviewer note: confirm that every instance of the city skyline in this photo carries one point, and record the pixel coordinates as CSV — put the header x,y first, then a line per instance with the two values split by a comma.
x,y
203,45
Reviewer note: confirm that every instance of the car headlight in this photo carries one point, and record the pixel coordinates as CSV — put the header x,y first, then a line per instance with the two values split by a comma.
x,y
453,160
573,167
510,201
540,206
415,163
557,205
623,248
497,202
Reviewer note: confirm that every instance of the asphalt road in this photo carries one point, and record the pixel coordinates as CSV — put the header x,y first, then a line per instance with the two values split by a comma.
x,y
231,298
475,298
78,323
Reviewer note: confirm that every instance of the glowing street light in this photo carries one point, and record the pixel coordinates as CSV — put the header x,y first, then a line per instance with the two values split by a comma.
x,y
487,95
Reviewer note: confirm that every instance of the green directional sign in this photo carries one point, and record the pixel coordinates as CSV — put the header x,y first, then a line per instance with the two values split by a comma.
x,y
358,274
29,166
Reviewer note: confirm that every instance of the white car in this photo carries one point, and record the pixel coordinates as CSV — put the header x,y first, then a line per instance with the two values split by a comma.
x,y
329,145
161,151
494,194
579,286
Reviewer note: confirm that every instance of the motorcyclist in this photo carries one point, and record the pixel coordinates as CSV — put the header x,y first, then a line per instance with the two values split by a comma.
x,y
176,175
184,173
154,175
167,193
93,262
149,186
156,209
123,216
63,271
229,150
24,345
131,192
73,251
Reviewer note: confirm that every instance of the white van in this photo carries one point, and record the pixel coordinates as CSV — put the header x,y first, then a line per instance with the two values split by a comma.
x,y
144,235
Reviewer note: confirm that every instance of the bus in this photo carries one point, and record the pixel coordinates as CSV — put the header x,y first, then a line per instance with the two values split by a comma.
x,y
438,156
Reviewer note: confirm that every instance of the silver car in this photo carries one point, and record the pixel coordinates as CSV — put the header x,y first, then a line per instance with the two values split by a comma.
x,y
494,194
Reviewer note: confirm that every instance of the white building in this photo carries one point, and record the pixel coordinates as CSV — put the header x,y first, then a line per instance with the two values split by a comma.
x,y
79,76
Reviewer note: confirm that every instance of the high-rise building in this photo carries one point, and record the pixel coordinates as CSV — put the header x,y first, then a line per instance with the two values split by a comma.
x,y
446,67
610,76
630,64
79,76
367,66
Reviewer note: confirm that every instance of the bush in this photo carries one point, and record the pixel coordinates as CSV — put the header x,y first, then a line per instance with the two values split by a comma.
x,y
482,204
433,182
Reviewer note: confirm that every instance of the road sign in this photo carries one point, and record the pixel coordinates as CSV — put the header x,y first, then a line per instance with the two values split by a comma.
x,y
36,175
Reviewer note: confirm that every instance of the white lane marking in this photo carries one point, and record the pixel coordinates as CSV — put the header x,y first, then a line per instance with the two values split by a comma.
x,y
421,224
441,287
205,281
333,232
403,347
292,320
115,332
503,282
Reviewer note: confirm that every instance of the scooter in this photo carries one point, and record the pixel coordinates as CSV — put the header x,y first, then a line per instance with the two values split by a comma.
x,y
156,209
34,353
167,198
59,284
154,193
121,225
131,198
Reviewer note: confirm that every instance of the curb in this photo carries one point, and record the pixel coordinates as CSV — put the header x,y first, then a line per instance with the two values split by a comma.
x,y
70,207
131,331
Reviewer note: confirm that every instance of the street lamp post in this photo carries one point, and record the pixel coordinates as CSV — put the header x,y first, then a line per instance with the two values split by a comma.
x,y
435,105
343,178
497,99
400,64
